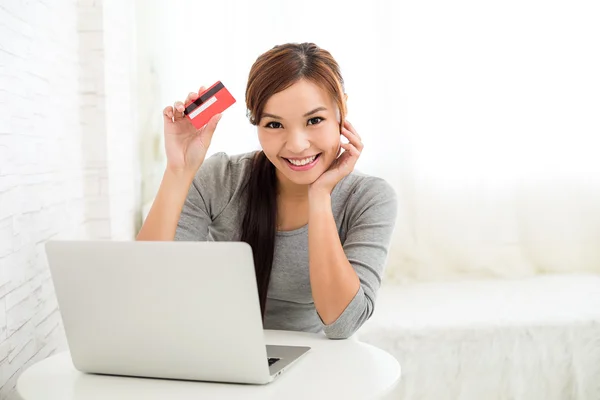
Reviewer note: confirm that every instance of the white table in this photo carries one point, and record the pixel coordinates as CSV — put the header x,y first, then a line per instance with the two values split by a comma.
x,y
332,369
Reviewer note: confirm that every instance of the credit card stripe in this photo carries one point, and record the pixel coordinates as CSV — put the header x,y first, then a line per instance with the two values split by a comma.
x,y
203,107
202,99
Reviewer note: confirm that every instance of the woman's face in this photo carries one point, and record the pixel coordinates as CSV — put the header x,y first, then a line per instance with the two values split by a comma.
x,y
299,132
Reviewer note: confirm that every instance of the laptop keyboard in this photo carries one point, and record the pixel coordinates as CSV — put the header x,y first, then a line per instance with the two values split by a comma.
x,y
273,360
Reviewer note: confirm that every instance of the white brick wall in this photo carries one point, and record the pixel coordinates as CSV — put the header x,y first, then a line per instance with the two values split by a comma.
x,y
68,155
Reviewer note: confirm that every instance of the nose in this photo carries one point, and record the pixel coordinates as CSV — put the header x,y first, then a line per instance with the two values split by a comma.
x,y
297,141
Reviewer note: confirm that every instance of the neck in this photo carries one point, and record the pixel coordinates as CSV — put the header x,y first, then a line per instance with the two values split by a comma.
x,y
289,190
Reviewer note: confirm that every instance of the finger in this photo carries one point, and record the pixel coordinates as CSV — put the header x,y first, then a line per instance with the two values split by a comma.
x,y
202,89
349,134
168,113
191,97
353,138
350,157
351,128
211,126
178,110
345,160
351,149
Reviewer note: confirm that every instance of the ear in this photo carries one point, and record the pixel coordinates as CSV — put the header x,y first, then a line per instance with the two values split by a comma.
x,y
345,106
346,102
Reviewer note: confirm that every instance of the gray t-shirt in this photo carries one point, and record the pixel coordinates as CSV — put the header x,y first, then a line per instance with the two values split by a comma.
x,y
364,209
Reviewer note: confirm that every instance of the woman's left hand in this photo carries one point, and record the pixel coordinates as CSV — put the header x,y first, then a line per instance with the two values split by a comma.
x,y
344,164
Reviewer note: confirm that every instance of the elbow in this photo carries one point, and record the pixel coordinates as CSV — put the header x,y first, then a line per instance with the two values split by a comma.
x,y
339,335
347,325
352,318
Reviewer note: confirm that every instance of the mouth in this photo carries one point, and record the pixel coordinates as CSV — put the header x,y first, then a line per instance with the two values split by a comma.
x,y
303,164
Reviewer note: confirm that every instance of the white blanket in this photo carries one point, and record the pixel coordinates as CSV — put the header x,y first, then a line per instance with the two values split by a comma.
x,y
530,339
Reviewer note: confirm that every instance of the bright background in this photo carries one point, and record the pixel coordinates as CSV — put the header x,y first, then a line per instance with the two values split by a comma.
x,y
484,117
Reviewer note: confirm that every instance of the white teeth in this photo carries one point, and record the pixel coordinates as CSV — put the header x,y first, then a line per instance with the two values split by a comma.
x,y
302,162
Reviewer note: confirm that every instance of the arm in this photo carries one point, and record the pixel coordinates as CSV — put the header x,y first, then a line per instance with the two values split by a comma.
x,y
186,205
346,277
161,222
185,148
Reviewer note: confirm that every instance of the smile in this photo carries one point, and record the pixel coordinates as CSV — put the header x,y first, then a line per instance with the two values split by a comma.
x,y
302,164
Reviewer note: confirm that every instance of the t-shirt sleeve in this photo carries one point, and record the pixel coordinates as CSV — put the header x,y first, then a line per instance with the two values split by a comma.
x,y
370,229
206,198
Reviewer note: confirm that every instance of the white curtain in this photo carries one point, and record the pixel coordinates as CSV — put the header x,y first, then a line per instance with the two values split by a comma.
x,y
485,116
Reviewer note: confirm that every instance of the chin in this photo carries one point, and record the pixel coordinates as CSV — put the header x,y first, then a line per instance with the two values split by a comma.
x,y
300,177
303,178
305,181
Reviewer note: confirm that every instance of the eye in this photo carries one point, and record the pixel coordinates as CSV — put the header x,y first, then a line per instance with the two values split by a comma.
x,y
315,121
270,125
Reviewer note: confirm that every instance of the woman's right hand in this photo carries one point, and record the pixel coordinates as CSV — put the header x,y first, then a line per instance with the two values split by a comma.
x,y
185,145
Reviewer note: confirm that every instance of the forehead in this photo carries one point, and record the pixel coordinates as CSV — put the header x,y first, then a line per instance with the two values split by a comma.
x,y
299,98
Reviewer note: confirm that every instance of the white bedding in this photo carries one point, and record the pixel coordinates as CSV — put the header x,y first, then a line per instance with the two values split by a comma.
x,y
530,339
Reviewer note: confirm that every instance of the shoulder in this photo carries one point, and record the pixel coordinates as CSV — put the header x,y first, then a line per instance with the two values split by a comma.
x,y
366,205
222,168
221,162
362,198
363,189
221,178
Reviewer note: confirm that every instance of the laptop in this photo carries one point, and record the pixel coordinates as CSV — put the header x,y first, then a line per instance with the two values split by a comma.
x,y
174,310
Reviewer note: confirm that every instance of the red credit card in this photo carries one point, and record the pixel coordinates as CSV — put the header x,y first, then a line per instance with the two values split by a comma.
x,y
213,100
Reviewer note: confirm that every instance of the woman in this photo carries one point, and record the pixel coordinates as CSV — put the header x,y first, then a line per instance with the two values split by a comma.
x,y
319,231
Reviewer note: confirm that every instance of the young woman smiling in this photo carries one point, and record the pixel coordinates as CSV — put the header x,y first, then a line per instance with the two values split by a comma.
x,y
319,230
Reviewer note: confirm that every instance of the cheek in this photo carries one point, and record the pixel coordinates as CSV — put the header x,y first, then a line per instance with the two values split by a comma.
x,y
328,138
267,142
330,141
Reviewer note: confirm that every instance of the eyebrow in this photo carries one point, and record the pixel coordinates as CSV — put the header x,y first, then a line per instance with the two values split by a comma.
x,y
305,115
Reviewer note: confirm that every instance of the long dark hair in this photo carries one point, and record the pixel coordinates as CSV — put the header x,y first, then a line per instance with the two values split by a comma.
x,y
273,72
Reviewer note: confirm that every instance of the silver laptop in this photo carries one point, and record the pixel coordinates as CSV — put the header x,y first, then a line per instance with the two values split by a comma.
x,y
175,310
